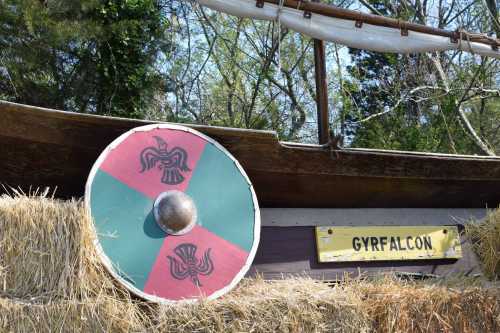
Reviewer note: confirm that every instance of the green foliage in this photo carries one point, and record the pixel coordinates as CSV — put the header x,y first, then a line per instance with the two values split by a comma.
x,y
403,102
173,60
89,56
383,115
225,71
125,49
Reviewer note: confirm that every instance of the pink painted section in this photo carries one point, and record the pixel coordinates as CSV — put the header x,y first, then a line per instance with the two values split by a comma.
x,y
228,260
124,162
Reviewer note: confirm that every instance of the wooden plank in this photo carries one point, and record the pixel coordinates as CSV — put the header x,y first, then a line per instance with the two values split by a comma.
x,y
41,147
40,165
288,190
289,217
92,131
285,252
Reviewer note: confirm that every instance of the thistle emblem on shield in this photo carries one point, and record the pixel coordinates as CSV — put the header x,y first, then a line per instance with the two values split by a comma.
x,y
190,266
173,162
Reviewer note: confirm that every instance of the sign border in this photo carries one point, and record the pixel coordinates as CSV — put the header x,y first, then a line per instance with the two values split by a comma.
x,y
319,229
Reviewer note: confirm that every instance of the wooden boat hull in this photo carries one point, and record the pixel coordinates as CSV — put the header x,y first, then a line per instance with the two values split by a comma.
x,y
40,147
47,148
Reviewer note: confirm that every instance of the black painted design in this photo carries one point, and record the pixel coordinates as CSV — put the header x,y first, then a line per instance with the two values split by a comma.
x,y
172,162
190,266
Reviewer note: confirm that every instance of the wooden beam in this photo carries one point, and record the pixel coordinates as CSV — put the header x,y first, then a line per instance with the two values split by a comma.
x,y
42,147
302,217
321,90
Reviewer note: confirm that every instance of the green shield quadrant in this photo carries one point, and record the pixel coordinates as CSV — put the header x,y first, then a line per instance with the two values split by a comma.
x,y
227,212
120,213
209,260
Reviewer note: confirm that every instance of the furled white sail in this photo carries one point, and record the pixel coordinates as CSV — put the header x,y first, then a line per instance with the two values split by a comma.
x,y
368,37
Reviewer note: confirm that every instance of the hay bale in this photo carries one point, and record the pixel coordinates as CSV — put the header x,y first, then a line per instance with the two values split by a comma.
x,y
46,250
294,305
52,280
395,306
485,239
97,315
303,305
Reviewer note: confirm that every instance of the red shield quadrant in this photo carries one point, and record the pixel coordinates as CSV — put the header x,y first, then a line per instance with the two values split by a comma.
x,y
122,187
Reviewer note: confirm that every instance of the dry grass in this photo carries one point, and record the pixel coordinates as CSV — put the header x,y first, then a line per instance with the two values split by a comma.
x,y
395,306
299,305
46,250
103,314
51,280
485,237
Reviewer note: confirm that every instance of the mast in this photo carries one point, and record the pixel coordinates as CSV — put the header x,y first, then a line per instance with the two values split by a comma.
x,y
321,90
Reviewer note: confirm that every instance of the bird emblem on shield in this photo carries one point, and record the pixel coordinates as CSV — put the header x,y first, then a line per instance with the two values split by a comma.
x,y
190,266
173,162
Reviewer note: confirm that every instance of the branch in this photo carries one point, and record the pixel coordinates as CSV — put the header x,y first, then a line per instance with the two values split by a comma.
x,y
370,7
461,113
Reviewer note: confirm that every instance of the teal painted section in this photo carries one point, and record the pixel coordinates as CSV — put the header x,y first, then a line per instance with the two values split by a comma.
x,y
223,198
126,228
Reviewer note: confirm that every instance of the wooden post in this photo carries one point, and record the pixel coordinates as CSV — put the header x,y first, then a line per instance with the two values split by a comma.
x,y
321,90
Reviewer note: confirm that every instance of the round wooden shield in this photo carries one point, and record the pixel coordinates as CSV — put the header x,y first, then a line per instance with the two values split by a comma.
x,y
176,217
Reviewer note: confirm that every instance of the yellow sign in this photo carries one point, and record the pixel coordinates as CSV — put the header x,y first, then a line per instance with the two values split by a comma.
x,y
341,244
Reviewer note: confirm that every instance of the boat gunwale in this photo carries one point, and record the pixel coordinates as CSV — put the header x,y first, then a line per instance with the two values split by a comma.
x,y
387,152
248,133
92,118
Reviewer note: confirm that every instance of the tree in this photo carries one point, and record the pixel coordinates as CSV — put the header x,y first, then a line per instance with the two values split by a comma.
x,y
174,60
238,73
87,56
423,101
